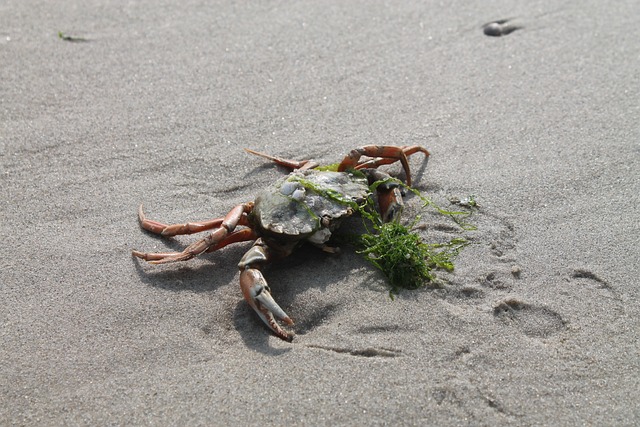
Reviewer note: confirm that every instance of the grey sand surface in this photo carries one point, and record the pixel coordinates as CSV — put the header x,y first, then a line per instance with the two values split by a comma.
x,y
539,323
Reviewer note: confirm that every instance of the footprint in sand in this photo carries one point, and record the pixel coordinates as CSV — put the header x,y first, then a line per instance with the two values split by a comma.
x,y
533,320
495,241
596,297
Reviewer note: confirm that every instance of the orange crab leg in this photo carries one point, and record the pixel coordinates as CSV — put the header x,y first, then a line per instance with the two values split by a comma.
x,y
385,151
290,164
374,163
175,229
227,227
244,235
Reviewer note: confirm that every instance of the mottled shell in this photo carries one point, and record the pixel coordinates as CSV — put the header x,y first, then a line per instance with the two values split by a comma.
x,y
305,202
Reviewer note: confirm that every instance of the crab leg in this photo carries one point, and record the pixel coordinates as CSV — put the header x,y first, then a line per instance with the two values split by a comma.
x,y
244,235
385,151
256,291
175,229
290,164
226,228
408,150
237,236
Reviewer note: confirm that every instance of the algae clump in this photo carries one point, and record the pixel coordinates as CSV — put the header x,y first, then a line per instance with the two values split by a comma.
x,y
401,255
404,259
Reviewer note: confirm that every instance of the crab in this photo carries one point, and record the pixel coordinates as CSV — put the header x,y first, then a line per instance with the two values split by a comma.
x,y
305,206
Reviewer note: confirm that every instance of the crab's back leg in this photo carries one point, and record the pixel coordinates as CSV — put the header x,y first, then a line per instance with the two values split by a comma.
x,y
290,164
244,235
256,291
393,153
408,150
227,226
176,229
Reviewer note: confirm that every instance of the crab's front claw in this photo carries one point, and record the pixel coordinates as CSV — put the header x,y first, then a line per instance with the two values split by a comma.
x,y
257,293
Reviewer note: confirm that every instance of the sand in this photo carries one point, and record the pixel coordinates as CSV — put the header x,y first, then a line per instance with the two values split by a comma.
x,y
152,102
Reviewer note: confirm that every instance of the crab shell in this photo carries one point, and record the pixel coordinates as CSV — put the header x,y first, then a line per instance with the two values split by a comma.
x,y
308,204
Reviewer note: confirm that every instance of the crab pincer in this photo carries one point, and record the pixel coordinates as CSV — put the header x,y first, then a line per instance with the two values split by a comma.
x,y
258,295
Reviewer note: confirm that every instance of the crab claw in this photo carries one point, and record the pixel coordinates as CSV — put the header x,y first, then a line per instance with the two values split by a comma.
x,y
257,293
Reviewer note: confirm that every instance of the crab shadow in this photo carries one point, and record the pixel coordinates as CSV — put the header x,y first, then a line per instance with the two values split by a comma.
x,y
213,271
306,268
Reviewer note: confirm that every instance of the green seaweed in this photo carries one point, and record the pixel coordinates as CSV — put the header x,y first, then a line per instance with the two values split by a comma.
x,y
73,39
402,256
326,192
328,168
406,261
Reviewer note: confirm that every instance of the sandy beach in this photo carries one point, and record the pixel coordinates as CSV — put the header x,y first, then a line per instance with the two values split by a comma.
x,y
105,105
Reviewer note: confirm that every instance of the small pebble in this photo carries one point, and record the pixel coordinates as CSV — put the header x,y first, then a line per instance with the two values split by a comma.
x,y
515,270
500,28
493,29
